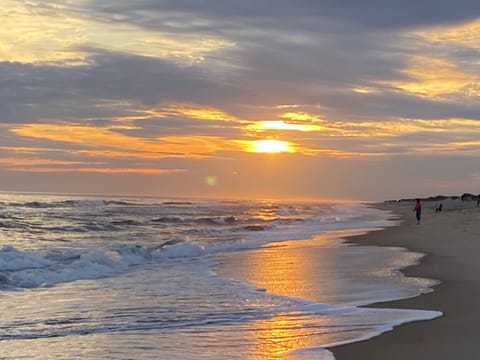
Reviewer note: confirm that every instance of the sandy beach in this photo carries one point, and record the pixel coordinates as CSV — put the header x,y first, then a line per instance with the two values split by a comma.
x,y
450,240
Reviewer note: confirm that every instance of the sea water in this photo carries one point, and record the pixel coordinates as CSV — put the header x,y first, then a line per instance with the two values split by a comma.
x,y
85,277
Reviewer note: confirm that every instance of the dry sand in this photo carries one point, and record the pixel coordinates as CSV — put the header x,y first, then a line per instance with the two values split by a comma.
x,y
451,241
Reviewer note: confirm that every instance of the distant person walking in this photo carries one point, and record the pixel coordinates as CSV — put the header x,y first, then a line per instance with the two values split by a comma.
x,y
418,211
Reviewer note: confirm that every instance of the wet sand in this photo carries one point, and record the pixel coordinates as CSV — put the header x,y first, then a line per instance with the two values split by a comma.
x,y
451,241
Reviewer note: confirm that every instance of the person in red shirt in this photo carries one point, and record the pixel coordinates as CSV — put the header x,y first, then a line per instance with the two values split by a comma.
x,y
418,211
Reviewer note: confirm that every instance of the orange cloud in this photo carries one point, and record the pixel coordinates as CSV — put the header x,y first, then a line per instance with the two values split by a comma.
x,y
300,116
138,154
97,137
36,162
146,171
54,165
199,112
106,142
466,34
435,76
435,71
287,106
24,149
292,121
281,125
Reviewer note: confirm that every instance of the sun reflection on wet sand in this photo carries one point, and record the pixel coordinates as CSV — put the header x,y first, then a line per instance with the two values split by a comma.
x,y
298,269
278,337
294,269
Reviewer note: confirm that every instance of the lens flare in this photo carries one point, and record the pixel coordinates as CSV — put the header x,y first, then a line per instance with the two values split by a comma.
x,y
211,180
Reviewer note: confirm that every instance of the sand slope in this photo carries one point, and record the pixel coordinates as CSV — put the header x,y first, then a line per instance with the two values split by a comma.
x,y
451,240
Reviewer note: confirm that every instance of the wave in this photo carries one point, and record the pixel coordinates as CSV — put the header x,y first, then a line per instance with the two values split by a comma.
x,y
168,219
120,203
229,221
178,203
126,222
70,203
255,227
30,269
217,220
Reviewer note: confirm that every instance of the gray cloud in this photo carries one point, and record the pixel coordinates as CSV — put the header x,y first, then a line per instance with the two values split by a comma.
x,y
305,52
374,14
29,92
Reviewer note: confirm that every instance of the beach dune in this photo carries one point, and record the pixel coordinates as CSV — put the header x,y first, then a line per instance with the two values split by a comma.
x,y
451,241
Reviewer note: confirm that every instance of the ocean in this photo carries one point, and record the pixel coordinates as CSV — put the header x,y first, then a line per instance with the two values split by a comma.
x,y
99,277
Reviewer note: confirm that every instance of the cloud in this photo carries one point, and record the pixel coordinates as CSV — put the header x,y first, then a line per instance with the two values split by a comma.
x,y
101,170
205,14
115,86
306,52
14,162
104,138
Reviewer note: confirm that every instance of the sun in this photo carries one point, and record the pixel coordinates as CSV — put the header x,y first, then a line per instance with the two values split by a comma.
x,y
271,146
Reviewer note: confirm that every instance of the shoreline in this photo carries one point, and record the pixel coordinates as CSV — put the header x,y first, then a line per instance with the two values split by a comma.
x,y
296,269
449,240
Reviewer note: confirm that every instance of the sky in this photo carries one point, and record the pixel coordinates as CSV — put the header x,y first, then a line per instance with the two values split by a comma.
x,y
309,99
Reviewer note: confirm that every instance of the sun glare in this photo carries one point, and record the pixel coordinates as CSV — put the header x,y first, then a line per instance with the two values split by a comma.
x,y
271,146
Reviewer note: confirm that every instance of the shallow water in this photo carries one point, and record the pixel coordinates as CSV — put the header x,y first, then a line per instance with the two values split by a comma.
x,y
126,278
